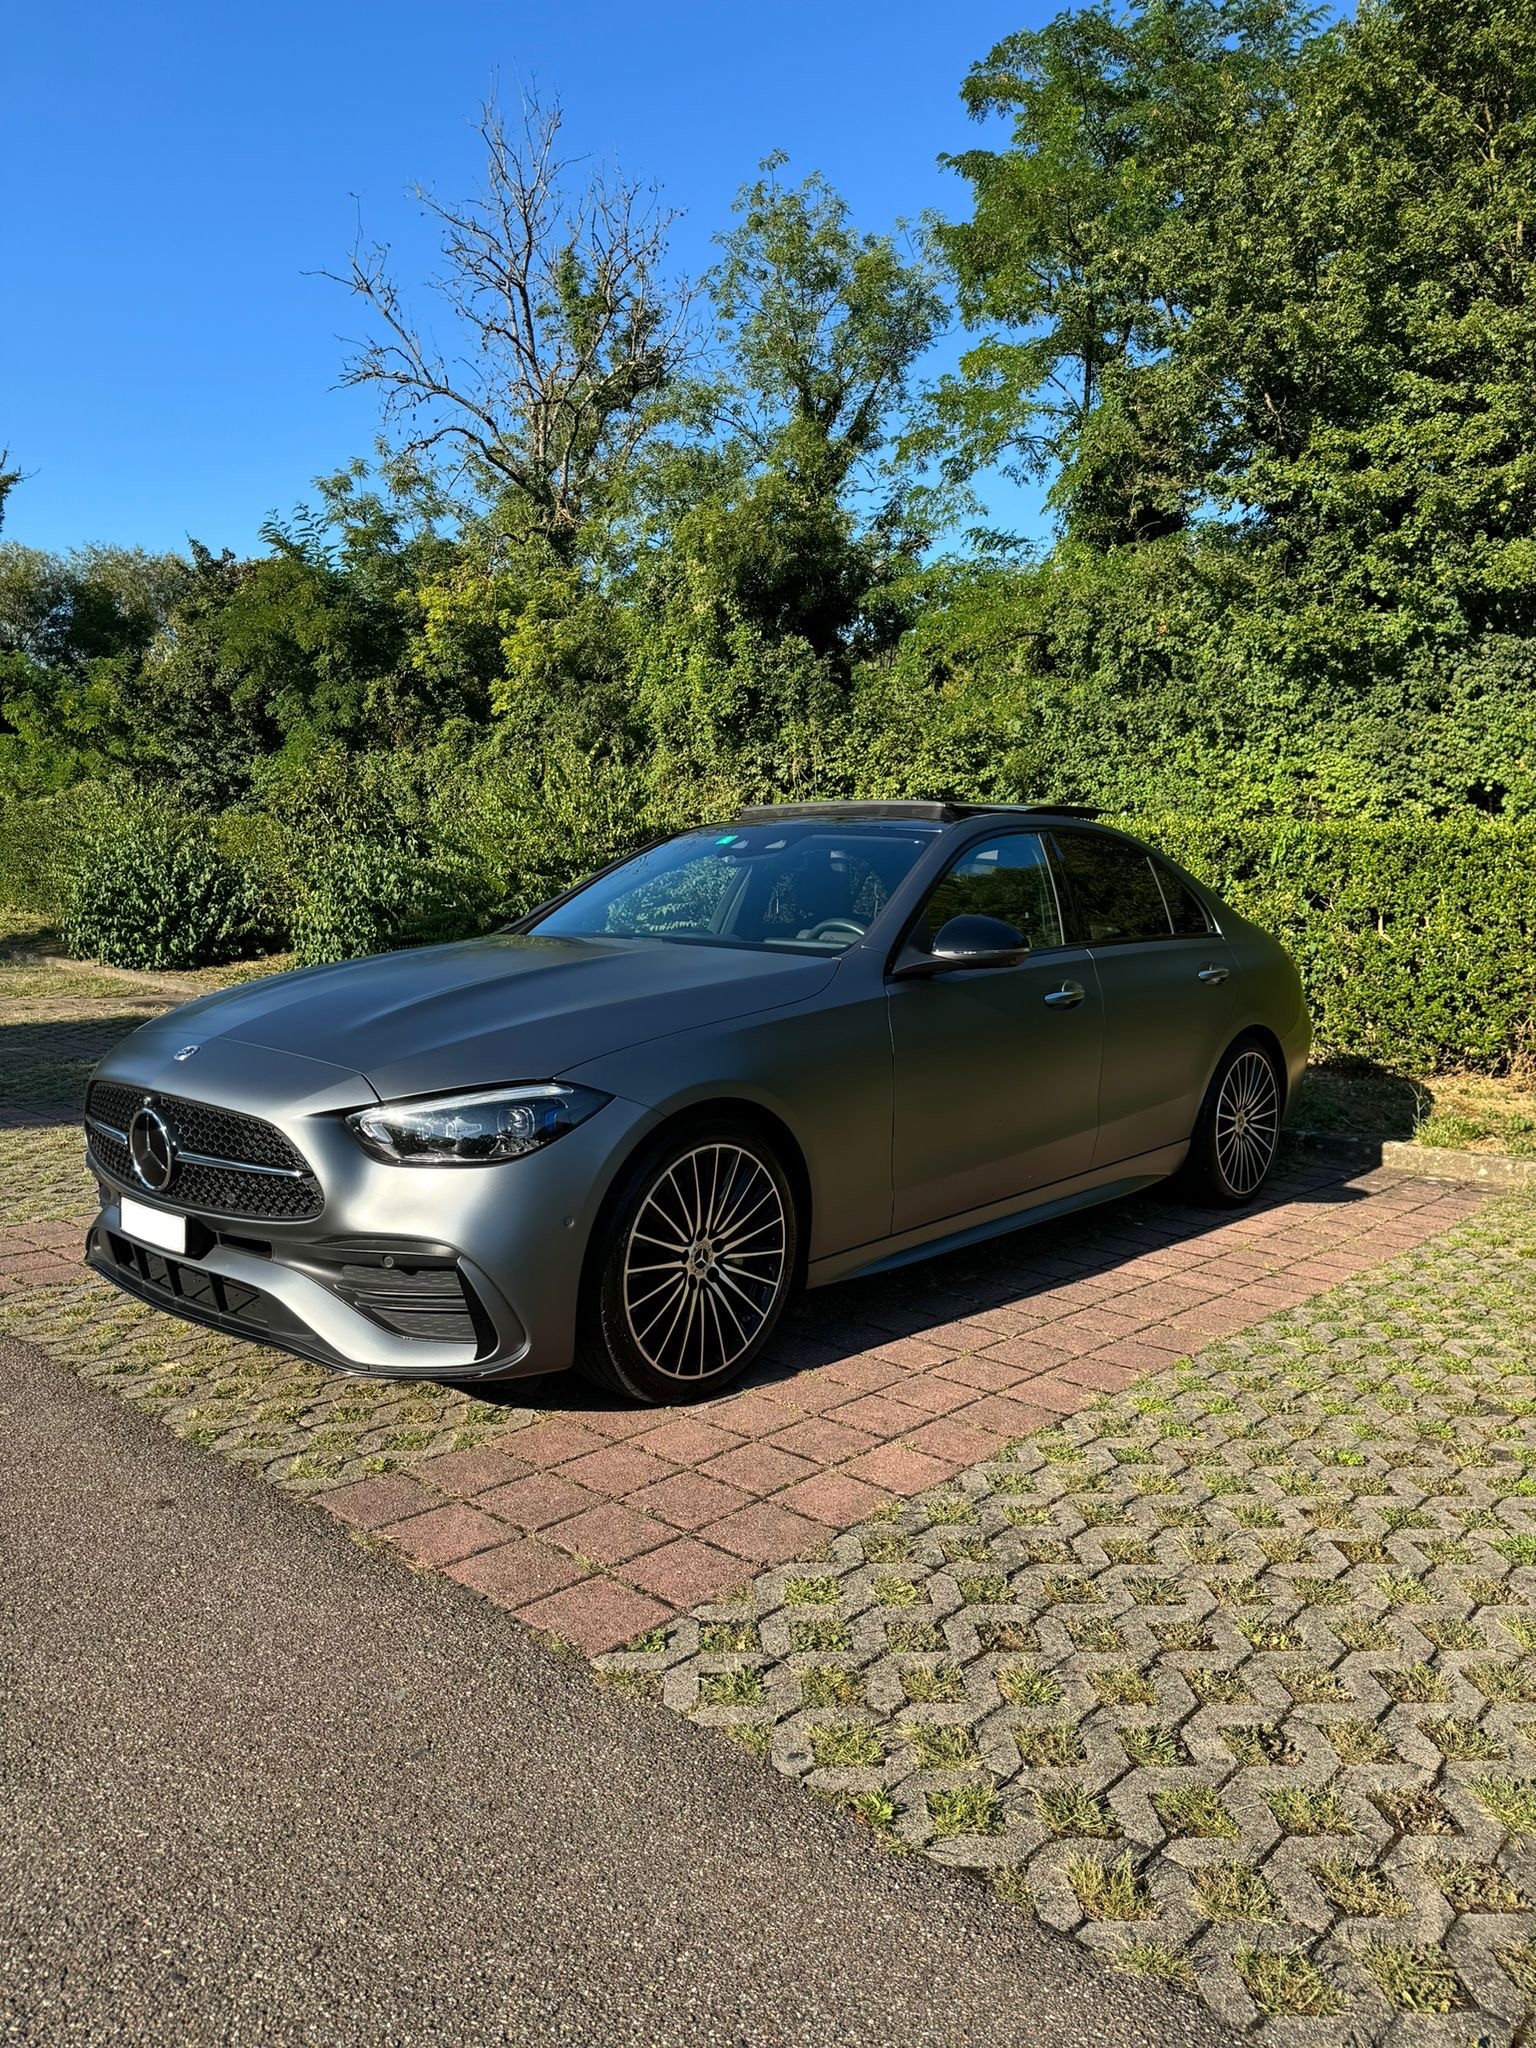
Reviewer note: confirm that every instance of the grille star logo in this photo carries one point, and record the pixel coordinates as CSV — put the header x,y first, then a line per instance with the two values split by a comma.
x,y
152,1148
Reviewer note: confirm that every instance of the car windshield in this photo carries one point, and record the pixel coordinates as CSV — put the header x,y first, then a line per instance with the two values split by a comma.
x,y
797,884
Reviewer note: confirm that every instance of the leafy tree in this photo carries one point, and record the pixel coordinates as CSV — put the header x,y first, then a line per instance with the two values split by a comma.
x,y
819,326
9,479
1078,262
74,631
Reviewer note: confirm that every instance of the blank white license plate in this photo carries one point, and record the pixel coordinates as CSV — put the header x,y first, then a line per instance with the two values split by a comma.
x,y
153,1226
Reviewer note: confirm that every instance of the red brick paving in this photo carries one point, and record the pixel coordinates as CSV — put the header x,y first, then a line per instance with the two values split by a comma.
x,y
596,1614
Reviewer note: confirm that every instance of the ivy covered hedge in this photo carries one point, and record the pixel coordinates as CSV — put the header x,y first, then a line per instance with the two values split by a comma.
x,y
1416,940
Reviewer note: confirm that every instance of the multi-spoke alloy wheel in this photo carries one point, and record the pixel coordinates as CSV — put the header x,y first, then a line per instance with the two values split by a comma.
x,y
698,1266
705,1262
1234,1143
1247,1121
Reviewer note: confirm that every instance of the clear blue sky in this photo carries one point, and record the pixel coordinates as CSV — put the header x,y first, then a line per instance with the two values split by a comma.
x,y
172,172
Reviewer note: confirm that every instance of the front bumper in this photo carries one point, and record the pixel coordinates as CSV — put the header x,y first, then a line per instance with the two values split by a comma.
x,y
405,1272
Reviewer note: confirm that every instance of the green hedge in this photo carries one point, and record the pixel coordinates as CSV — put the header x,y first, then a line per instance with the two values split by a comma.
x,y
1416,940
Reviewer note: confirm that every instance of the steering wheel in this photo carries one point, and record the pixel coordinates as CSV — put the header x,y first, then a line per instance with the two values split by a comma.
x,y
832,927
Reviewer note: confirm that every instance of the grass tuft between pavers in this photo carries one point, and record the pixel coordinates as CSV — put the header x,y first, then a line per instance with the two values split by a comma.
x,y
1511,1801
966,1810
1358,1890
1412,1976
1476,1887
1283,1982
1195,1811
1234,1892
1154,1960
1110,1891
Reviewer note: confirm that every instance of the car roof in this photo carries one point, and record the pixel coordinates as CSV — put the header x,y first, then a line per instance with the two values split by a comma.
x,y
901,811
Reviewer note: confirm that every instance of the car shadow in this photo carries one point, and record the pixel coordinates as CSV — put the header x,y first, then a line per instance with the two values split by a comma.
x,y
46,1063
853,1316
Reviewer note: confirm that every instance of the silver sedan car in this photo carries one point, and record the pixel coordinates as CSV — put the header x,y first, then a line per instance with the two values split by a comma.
x,y
814,1041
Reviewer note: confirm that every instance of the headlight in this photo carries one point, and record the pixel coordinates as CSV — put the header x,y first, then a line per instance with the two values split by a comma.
x,y
473,1130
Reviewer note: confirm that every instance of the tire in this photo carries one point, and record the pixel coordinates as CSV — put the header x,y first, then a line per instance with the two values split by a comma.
x,y
1234,1141
691,1266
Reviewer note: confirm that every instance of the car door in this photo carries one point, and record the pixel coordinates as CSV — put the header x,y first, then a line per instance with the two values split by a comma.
x,y
996,1070
1164,974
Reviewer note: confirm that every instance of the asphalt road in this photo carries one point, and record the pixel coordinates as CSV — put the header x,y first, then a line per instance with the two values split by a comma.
x,y
258,1785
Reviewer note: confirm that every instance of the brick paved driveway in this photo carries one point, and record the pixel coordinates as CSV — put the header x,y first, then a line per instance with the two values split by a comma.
x,y
593,1520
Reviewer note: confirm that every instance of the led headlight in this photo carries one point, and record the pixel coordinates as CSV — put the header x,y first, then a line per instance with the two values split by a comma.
x,y
475,1129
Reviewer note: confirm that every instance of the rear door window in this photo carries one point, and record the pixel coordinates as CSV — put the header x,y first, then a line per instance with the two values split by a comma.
x,y
1113,890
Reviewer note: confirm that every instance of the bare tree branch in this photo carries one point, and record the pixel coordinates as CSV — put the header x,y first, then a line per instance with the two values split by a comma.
x,y
567,328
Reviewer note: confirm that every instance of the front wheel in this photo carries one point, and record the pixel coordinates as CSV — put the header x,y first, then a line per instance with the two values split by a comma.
x,y
693,1269
1233,1147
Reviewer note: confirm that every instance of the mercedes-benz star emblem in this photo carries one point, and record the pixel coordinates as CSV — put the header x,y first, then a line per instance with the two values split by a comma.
x,y
152,1146
185,1053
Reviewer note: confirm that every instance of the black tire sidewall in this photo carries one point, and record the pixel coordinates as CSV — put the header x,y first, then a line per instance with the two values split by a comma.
x,y
606,1351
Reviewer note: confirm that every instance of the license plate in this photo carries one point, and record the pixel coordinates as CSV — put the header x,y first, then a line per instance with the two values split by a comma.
x,y
153,1226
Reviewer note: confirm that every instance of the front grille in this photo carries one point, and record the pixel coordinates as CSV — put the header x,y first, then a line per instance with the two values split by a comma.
x,y
239,1143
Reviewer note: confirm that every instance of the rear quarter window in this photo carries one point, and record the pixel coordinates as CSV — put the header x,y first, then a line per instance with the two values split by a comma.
x,y
1188,914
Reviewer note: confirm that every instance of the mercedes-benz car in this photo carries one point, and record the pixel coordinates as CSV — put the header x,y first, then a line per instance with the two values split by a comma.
x,y
812,1041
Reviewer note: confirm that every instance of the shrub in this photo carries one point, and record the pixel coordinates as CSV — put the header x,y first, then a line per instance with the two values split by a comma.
x,y
364,870
147,887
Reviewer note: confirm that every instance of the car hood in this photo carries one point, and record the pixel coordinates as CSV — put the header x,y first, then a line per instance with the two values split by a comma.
x,y
512,1007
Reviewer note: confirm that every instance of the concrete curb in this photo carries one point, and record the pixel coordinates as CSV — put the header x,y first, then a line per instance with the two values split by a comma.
x,y
1440,1162
1427,1162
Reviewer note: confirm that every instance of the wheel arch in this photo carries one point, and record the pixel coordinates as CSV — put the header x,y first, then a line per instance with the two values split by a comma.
x,y
1265,1036
700,1115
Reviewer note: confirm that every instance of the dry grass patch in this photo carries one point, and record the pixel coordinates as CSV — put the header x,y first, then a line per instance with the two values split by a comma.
x,y
1476,1887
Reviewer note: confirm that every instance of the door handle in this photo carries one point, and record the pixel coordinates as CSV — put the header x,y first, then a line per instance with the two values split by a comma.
x,y
1212,975
1067,997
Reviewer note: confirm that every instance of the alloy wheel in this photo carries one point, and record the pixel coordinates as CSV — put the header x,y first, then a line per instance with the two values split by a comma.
x,y
1247,1121
705,1262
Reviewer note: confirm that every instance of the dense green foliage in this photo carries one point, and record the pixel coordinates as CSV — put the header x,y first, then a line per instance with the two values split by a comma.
x,y
1249,292
1417,943
144,886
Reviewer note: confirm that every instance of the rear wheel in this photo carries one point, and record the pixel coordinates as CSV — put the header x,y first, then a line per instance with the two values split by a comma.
x,y
1234,1142
695,1264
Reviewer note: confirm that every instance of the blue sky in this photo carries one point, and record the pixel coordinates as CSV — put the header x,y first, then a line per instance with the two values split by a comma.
x,y
173,172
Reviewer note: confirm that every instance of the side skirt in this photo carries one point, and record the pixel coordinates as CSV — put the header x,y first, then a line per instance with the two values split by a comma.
x,y
1061,1198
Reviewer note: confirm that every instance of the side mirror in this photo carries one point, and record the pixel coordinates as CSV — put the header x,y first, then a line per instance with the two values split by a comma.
x,y
967,942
